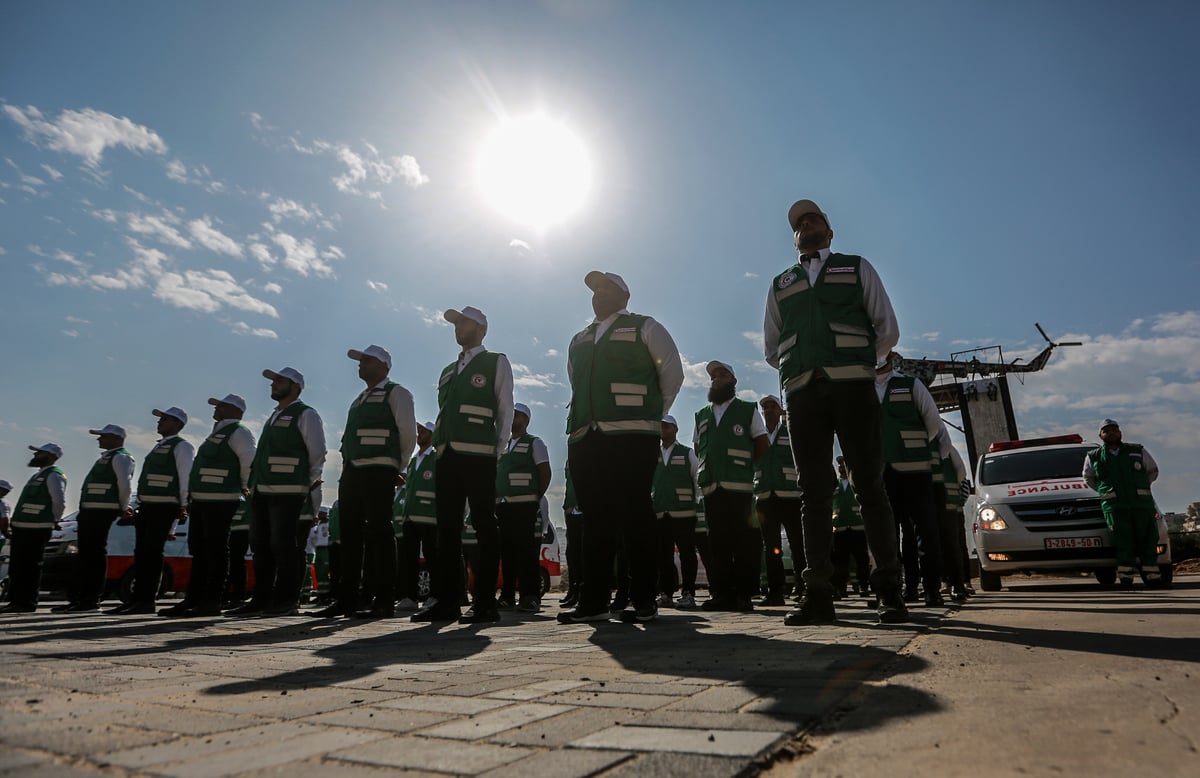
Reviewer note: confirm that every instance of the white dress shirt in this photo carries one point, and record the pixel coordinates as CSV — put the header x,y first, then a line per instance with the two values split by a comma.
x,y
662,349
57,485
875,298
122,465
503,385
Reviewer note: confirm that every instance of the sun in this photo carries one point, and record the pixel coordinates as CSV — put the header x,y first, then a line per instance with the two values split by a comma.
x,y
535,171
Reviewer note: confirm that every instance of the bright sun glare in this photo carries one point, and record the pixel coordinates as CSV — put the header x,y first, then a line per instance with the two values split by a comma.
x,y
534,171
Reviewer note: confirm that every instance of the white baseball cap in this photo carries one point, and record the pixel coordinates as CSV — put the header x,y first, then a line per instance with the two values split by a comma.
x,y
470,312
235,400
522,408
670,420
715,365
1109,423
173,412
803,208
5,485
109,429
376,352
290,373
429,426
772,398
49,448
596,277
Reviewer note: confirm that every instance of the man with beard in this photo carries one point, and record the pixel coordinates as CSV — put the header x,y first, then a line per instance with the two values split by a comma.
x,y
729,438
38,511
777,500
675,500
220,477
105,495
162,501
828,321
475,410
625,372
286,473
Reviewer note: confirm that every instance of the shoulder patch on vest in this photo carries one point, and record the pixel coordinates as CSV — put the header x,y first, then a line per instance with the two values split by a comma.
x,y
787,279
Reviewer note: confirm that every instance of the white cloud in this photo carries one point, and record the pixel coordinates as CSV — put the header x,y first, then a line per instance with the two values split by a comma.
x,y
208,291
750,394
302,255
755,337
161,227
177,171
87,133
3,251
694,373
748,274
553,352
431,317
54,174
208,236
527,379
242,328
77,320
520,245
364,172
281,209
199,175
1186,323
272,287
71,333
262,254
377,286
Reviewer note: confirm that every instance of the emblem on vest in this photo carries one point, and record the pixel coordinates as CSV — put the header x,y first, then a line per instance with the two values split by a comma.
x,y
787,279
739,430
1137,465
428,475
478,380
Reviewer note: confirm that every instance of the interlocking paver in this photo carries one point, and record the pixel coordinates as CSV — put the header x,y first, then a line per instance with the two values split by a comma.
x,y
723,742
447,756
266,754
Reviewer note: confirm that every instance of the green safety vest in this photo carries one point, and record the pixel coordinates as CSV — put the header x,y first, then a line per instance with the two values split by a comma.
x,y
100,484
34,508
701,523
726,450
159,482
372,438
420,490
846,511
905,440
776,472
281,461
614,382
516,474
241,517
673,490
1121,478
824,326
216,471
945,473
467,408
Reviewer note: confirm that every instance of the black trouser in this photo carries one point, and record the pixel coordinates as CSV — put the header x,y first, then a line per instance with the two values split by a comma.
x,y
239,544
849,409
464,480
469,565
736,544
777,515
911,496
850,544
675,531
575,550
702,550
365,496
418,539
613,475
151,528
278,536
25,557
208,543
519,546
91,563
949,521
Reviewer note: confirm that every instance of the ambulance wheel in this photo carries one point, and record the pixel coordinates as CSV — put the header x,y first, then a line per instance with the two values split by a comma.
x,y
1107,576
989,582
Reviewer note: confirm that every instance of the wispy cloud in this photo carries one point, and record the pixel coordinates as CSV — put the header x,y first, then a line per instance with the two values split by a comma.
x,y
162,227
303,256
272,287
208,236
527,379
282,208
748,274
54,174
431,317
87,134
694,373
71,333
377,286
199,175
755,337
242,328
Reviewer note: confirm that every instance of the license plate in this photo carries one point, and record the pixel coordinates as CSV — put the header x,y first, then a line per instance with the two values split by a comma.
x,y
1088,542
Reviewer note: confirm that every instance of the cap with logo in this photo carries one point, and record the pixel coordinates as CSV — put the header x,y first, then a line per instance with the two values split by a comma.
x,y
235,400
173,412
109,429
597,277
714,366
470,313
290,373
375,352
49,448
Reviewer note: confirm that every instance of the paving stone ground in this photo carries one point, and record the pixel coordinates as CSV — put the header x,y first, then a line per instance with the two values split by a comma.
x,y
693,693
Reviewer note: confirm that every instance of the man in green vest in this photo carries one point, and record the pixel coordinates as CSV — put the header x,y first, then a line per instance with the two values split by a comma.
x,y
949,475
36,515
625,372
162,501
105,496
912,427
522,477
777,500
828,320
284,477
675,498
239,546
730,437
574,519
219,479
376,446
1122,473
419,517
849,538
475,410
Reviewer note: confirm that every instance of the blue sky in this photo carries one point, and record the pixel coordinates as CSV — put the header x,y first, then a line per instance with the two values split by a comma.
x,y
192,192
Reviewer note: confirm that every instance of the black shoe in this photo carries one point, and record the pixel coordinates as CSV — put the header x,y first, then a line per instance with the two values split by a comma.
x,y
935,601
618,605
64,608
15,608
201,611
504,604
892,609
332,611
251,608
285,609
480,616
641,614
377,612
140,609
743,605
571,600
814,609
912,595
959,595
719,603
581,616
773,600
120,610
435,613
178,610
84,607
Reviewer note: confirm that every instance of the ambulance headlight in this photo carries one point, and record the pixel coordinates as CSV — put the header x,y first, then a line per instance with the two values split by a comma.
x,y
989,519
